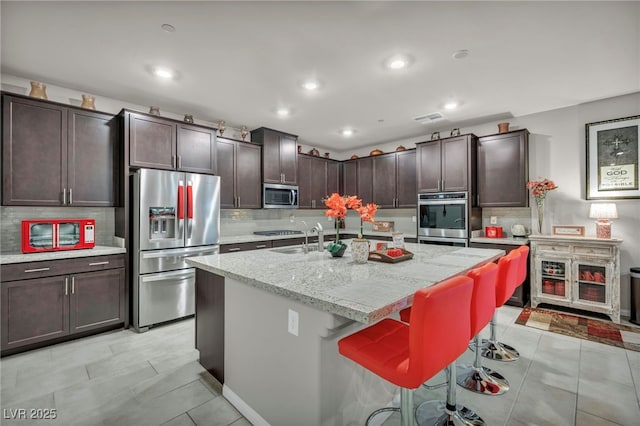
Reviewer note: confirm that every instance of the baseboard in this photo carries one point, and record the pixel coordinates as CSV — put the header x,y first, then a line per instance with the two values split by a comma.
x,y
244,408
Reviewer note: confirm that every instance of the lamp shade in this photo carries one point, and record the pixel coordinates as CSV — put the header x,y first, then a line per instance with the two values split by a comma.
x,y
603,211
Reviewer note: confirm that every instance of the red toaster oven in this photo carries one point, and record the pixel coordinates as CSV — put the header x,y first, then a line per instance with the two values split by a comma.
x,y
57,234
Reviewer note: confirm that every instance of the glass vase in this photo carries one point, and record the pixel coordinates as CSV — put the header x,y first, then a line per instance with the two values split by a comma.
x,y
540,208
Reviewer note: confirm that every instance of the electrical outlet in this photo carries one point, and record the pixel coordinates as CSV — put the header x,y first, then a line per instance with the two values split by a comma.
x,y
329,219
292,218
292,326
494,220
413,219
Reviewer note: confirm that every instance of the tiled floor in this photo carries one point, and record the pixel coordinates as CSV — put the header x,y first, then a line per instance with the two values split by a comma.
x,y
125,378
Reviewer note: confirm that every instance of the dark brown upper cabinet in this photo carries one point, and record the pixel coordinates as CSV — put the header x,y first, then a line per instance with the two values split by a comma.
x,y
239,166
279,155
349,177
447,165
364,179
163,143
503,169
394,179
317,178
55,155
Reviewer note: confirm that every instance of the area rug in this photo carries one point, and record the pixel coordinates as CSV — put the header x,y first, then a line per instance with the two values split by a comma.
x,y
607,332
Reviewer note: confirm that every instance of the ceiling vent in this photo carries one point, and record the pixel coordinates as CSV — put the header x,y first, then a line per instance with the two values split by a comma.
x,y
429,118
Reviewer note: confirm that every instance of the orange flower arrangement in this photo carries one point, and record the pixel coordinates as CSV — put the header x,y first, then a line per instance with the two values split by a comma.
x,y
338,206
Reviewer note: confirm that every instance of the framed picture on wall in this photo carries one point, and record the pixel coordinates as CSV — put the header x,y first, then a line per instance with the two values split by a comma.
x,y
612,159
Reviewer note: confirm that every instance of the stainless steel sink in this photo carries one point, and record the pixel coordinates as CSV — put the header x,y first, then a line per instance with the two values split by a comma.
x,y
293,250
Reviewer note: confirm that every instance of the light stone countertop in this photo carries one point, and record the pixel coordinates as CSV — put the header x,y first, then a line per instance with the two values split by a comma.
x,y
515,241
7,258
362,292
250,238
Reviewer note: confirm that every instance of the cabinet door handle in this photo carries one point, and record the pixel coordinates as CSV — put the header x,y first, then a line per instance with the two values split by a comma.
x,y
106,262
73,285
70,196
66,286
261,246
64,196
238,202
179,161
173,161
235,249
37,270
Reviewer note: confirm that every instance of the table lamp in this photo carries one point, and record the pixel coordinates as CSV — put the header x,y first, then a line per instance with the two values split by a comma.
x,y
603,212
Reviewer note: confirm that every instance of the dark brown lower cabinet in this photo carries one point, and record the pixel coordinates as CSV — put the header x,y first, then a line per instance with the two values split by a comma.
x,y
96,299
34,311
520,297
37,309
210,322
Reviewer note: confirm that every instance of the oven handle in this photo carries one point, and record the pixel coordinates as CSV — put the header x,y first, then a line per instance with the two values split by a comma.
x,y
440,202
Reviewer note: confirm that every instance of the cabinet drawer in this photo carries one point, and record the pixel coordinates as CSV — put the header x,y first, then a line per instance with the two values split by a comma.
x,y
553,248
230,248
50,268
593,250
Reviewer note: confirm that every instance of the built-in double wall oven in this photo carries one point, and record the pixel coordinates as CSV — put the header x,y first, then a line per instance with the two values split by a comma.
x,y
446,218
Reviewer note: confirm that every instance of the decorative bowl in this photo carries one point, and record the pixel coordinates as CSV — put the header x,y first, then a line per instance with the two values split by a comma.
x,y
376,152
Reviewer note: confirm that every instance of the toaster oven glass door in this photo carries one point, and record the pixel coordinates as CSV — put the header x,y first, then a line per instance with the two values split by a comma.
x,y
68,234
41,235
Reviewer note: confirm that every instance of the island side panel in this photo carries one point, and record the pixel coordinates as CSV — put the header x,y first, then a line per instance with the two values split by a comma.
x,y
294,380
210,322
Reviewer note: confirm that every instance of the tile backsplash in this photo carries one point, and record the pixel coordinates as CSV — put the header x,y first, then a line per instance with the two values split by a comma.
x,y
11,217
507,217
241,222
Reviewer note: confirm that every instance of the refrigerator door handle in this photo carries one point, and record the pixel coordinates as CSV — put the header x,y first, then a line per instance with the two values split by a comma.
x,y
189,208
180,200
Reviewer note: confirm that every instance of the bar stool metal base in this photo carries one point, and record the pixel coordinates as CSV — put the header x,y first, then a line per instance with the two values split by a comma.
x,y
498,351
436,413
481,380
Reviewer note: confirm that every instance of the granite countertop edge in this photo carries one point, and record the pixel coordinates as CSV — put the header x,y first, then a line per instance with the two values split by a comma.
x,y
250,238
510,241
13,257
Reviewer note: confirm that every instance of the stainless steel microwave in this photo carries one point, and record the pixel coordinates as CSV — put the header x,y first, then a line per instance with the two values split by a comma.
x,y
276,196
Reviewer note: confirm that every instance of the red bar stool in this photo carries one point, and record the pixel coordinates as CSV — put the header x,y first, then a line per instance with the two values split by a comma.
x,y
475,377
409,355
510,276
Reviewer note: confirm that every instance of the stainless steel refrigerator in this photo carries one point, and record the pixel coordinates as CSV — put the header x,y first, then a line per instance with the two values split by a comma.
x,y
176,215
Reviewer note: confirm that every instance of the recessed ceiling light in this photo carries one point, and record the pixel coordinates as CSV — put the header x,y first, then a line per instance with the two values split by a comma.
x,y
347,132
398,62
311,85
451,105
168,28
283,112
460,54
163,72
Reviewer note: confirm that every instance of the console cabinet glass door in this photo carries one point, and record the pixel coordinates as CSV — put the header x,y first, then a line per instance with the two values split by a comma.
x,y
555,276
592,278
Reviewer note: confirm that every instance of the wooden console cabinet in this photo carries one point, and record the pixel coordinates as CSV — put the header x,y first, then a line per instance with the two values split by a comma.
x,y
576,272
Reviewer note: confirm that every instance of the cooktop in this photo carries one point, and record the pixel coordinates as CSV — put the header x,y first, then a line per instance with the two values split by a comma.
x,y
278,232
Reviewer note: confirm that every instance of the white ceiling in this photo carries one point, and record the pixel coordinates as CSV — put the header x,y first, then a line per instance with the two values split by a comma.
x,y
239,61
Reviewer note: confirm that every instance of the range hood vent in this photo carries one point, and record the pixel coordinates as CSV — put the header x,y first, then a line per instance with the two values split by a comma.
x,y
429,118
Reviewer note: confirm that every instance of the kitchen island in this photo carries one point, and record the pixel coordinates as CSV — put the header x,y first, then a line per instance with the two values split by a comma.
x,y
276,316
